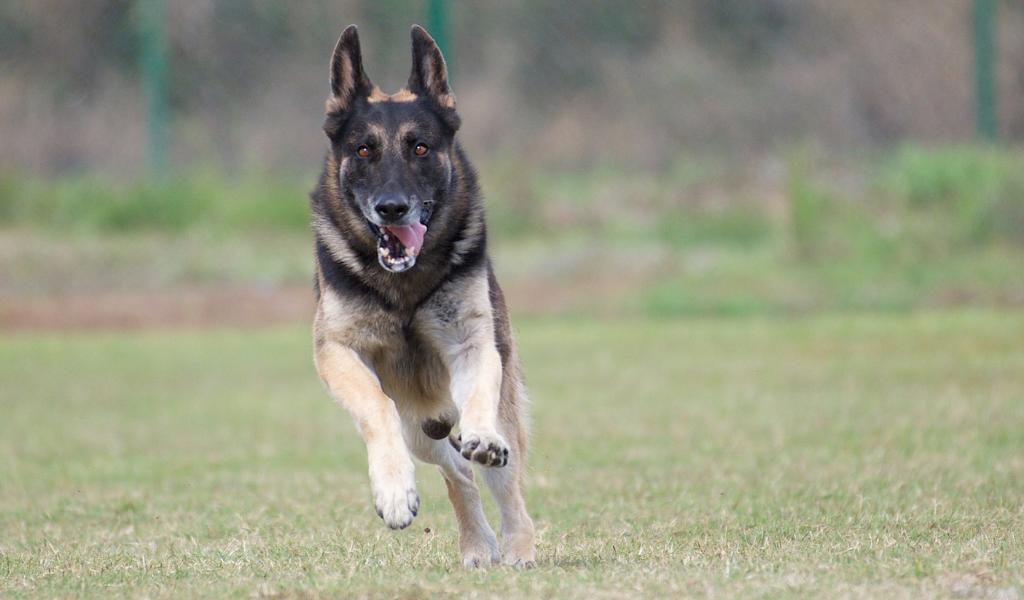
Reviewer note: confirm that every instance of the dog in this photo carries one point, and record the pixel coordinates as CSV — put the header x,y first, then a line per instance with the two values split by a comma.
x,y
412,334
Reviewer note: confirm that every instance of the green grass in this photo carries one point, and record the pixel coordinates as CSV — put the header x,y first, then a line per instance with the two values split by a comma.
x,y
835,456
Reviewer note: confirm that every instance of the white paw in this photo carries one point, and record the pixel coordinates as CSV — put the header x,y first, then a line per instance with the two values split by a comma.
x,y
395,498
397,506
486,448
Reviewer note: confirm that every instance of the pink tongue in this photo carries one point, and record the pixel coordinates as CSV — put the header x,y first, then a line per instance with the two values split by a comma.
x,y
411,236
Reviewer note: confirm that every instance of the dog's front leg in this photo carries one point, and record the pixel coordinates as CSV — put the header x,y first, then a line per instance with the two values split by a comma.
x,y
476,389
352,383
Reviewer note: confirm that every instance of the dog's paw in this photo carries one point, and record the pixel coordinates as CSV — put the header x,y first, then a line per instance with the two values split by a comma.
x,y
520,564
394,492
520,552
436,429
520,558
393,483
397,505
478,558
486,448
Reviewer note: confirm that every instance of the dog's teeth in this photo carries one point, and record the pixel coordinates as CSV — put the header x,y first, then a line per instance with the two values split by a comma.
x,y
408,251
385,251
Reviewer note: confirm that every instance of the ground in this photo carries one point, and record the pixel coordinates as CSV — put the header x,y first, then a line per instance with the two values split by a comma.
x,y
837,456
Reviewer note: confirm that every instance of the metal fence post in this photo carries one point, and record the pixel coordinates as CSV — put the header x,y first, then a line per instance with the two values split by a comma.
x,y
983,20
153,71
437,25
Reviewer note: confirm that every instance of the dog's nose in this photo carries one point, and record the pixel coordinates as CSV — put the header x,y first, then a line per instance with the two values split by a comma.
x,y
392,207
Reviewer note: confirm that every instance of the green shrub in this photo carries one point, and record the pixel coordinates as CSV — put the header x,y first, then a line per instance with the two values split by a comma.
x,y
978,191
736,228
807,203
171,204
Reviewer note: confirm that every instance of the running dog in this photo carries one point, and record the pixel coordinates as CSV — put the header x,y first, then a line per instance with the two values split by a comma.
x,y
411,333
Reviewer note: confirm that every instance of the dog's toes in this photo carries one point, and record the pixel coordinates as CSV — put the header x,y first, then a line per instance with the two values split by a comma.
x,y
398,507
490,455
488,449
520,550
522,565
468,446
479,559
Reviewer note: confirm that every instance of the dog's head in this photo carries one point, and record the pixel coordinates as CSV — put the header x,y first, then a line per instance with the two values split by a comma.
x,y
393,153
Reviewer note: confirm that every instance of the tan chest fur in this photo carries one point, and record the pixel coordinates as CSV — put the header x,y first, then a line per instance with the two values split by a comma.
x,y
405,356
411,370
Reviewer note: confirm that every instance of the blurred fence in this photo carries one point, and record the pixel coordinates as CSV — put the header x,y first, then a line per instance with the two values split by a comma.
x,y
567,84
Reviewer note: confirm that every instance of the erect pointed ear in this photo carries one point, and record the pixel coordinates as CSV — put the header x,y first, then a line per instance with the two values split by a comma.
x,y
429,76
348,79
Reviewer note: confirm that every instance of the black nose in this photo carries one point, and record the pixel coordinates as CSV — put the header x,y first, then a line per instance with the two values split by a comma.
x,y
392,207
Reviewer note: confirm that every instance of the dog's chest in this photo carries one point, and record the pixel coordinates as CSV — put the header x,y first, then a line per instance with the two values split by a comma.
x,y
410,367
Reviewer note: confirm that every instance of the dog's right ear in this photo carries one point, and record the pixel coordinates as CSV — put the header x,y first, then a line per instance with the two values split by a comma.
x,y
348,80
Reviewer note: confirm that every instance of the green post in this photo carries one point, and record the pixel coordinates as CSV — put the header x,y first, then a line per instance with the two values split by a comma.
x,y
983,19
437,25
153,70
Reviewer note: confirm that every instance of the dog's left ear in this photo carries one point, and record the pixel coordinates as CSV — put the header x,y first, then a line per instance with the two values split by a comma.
x,y
429,76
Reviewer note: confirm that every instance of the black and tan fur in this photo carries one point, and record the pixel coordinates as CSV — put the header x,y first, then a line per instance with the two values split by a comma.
x,y
412,355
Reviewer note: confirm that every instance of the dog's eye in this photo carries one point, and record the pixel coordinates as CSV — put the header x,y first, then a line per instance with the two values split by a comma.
x,y
363,152
420,150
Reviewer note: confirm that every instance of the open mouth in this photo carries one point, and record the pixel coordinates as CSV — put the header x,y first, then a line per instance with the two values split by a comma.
x,y
398,245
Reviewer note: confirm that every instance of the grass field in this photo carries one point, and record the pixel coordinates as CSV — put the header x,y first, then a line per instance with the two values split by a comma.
x,y
834,456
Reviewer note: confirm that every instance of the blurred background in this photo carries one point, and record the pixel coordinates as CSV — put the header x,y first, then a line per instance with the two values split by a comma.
x,y
666,158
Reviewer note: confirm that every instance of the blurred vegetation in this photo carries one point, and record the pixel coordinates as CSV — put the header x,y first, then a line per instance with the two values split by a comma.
x,y
665,157
914,227
207,200
983,190
957,197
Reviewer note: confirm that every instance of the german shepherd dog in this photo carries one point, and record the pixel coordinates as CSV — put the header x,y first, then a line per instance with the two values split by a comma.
x,y
412,334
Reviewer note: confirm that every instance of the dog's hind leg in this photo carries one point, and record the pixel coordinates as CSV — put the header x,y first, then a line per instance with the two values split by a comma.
x,y
506,484
477,542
